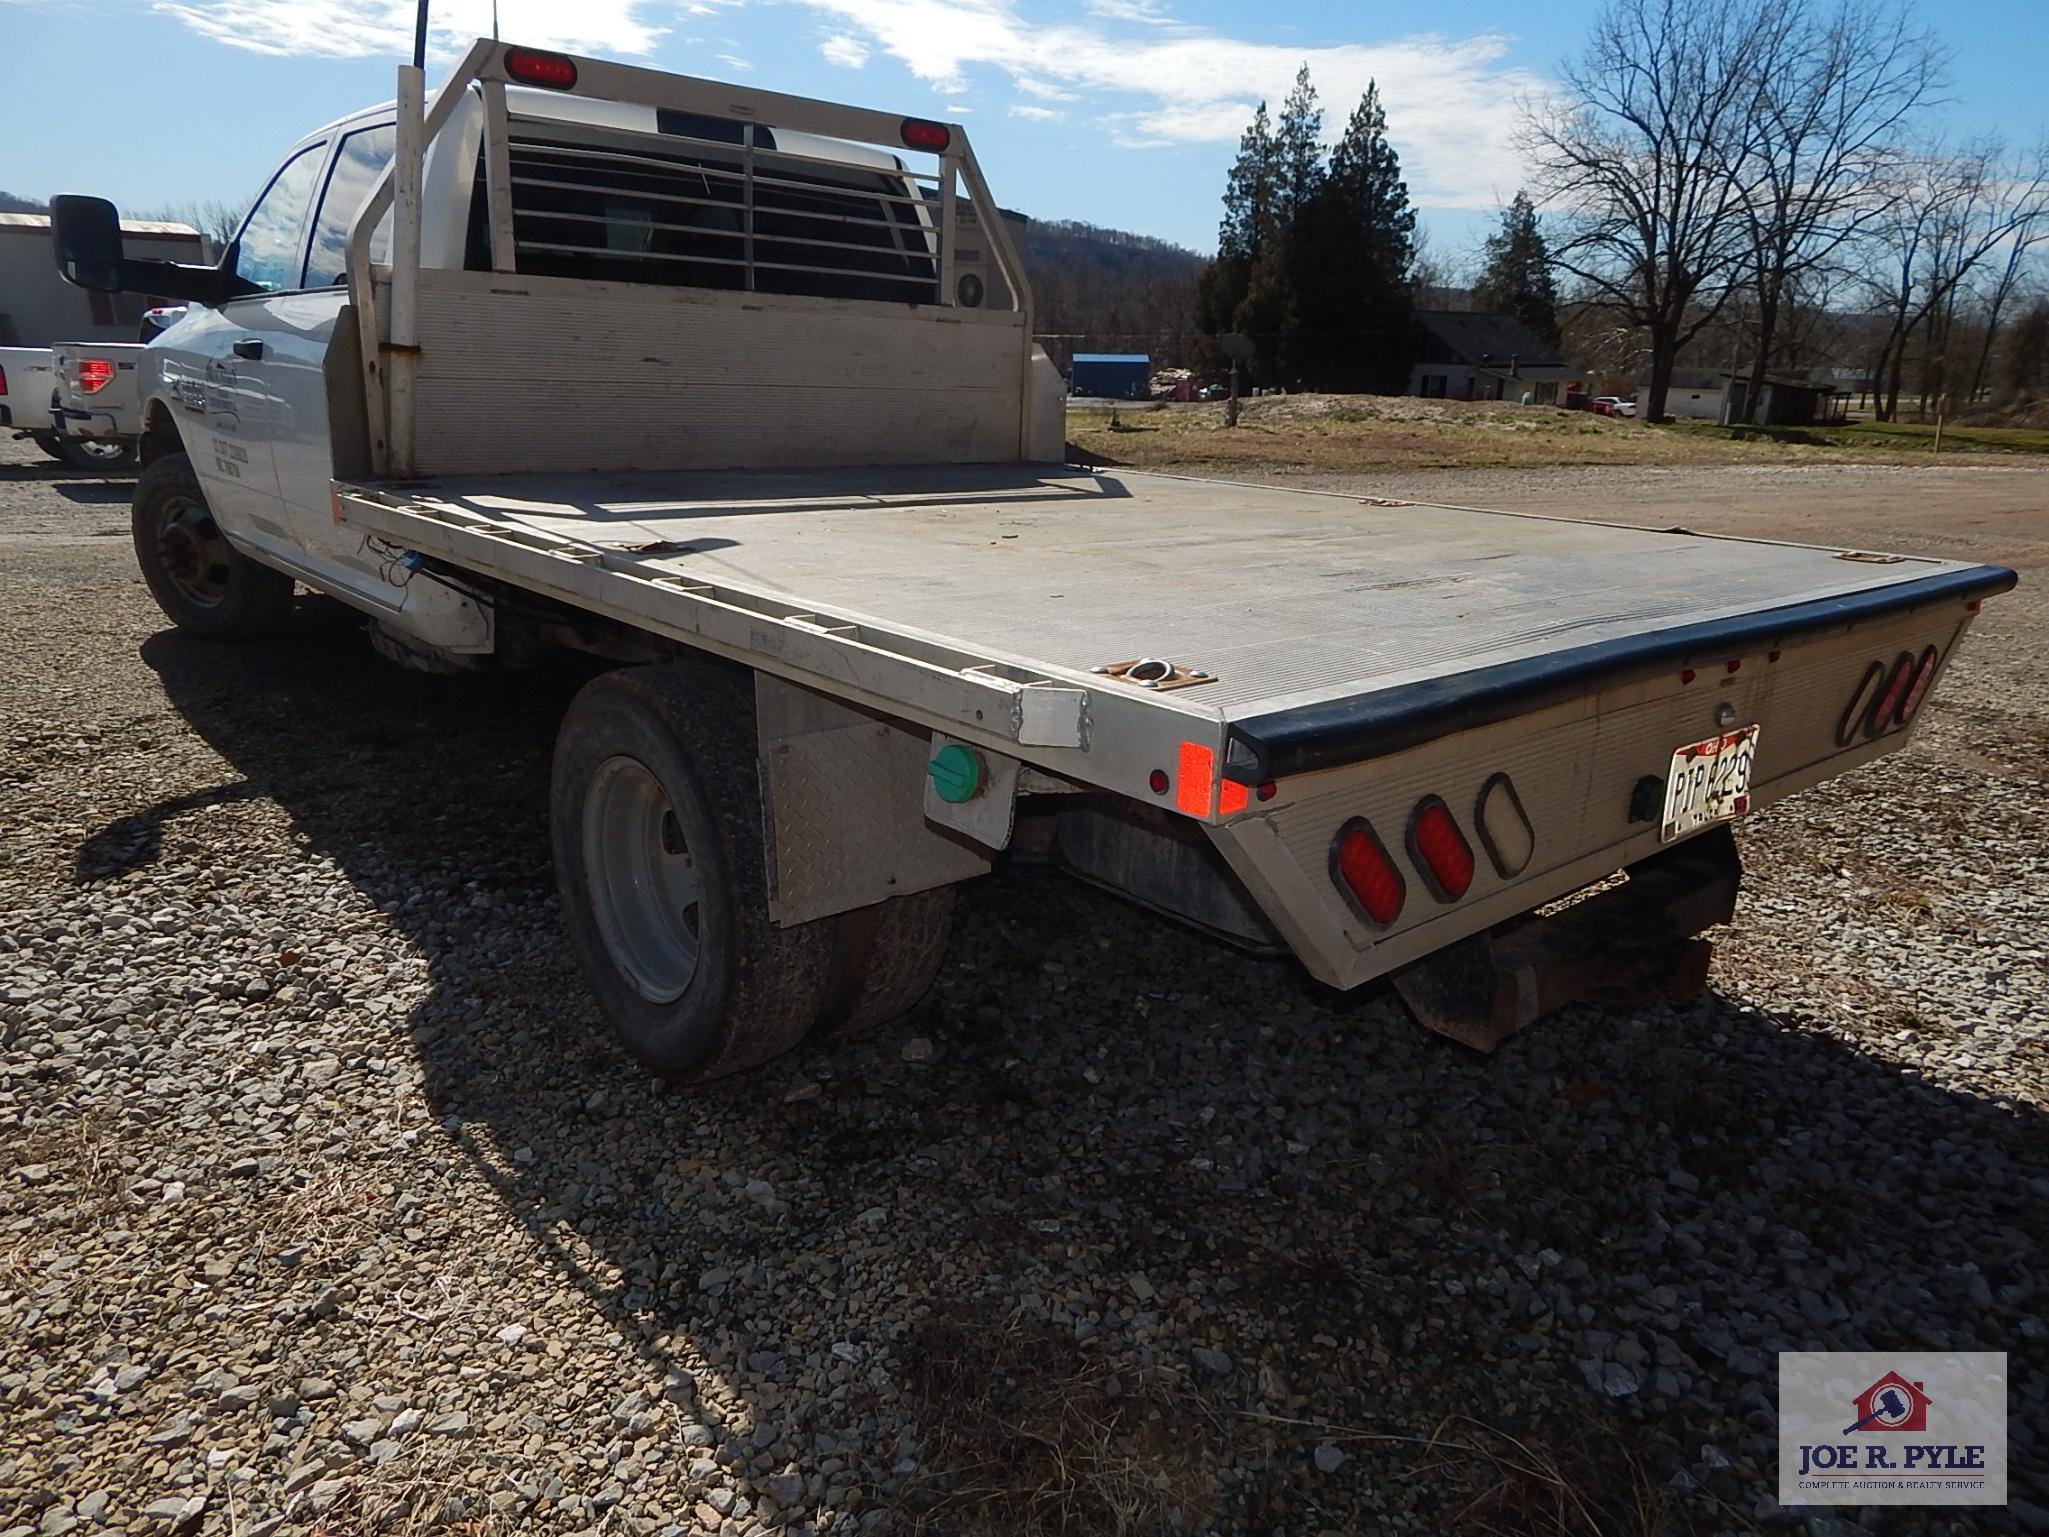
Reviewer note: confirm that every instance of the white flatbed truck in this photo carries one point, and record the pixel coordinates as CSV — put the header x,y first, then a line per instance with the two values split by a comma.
x,y
711,382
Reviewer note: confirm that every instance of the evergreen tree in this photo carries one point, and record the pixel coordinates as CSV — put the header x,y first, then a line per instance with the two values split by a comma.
x,y
1517,278
1359,236
1248,231
1298,151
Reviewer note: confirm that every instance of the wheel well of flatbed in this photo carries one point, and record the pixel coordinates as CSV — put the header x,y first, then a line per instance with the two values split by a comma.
x,y
159,432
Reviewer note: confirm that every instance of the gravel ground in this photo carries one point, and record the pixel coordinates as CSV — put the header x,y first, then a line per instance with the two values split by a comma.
x,y
326,1209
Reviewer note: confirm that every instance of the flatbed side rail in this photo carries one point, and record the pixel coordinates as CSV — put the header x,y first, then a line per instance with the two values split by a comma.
x,y
389,336
1108,736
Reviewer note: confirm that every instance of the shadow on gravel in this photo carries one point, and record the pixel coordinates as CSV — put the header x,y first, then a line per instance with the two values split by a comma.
x,y
1216,1216
96,493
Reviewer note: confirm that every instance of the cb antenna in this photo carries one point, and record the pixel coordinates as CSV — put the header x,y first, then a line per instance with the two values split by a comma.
x,y
420,34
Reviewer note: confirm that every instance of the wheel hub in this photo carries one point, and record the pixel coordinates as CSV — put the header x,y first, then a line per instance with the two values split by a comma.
x,y
642,879
193,552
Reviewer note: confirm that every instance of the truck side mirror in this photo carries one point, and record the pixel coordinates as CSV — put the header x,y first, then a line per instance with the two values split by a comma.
x,y
87,232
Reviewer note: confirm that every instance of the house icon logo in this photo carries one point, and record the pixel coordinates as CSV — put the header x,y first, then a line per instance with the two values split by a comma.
x,y
1892,1403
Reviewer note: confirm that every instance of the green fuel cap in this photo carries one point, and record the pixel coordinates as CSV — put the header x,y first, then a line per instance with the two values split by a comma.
x,y
956,773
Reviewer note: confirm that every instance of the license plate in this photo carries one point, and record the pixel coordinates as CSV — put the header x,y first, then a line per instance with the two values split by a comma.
x,y
1709,782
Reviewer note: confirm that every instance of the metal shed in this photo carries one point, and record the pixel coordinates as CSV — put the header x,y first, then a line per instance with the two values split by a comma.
x,y
1112,375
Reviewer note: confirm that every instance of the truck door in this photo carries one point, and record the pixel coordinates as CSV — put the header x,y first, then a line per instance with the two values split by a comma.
x,y
228,363
299,348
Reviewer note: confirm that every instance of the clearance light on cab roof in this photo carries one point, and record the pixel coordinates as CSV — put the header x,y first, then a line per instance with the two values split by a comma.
x,y
529,66
919,134
1363,872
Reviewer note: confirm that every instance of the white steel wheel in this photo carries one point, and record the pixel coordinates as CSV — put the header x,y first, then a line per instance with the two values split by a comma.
x,y
643,882
656,814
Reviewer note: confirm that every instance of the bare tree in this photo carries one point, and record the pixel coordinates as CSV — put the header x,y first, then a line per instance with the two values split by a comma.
x,y
1836,92
2029,220
1639,153
216,221
1946,216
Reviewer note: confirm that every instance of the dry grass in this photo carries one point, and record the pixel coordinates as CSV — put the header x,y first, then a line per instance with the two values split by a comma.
x,y
1584,1481
1027,1433
1340,433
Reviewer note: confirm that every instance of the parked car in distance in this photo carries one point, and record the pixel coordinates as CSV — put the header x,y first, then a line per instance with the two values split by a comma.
x,y
1614,405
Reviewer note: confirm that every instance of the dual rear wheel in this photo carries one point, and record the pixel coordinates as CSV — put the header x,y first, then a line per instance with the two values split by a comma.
x,y
657,827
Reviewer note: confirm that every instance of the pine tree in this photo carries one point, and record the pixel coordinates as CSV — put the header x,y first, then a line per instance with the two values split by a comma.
x,y
1360,238
1517,278
1298,150
1251,195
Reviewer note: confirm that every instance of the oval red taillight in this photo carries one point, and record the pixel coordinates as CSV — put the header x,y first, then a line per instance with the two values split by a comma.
x,y
1440,849
1924,675
1888,702
1365,874
529,66
919,134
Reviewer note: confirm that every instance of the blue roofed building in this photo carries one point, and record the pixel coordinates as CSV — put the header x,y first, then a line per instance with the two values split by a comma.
x,y
1112,375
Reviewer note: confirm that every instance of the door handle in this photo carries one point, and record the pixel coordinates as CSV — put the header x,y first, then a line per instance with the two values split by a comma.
x,y
249,347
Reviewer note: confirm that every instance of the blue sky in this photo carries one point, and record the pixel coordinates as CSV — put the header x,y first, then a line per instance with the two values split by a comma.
x,y
1121,112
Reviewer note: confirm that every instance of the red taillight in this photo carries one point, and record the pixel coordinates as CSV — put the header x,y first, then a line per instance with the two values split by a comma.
x,y
1365,874
919,134
530,67
94,375
3,381
1440,849
1881,715
1924,675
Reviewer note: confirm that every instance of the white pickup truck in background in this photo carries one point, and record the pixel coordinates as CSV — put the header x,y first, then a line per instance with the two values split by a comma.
x,y
39,312
739,391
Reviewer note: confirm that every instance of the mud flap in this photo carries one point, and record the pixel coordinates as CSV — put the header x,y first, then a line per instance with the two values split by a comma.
x,y
1623,946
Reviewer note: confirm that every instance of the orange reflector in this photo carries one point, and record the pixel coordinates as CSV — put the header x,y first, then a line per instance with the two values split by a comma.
x,y
1196,782
1230,797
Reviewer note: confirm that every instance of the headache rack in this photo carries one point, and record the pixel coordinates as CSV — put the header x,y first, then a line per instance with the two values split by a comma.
x,y
736,192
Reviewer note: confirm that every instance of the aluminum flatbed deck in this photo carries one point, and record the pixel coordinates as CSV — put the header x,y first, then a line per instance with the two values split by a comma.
x,y
1334,627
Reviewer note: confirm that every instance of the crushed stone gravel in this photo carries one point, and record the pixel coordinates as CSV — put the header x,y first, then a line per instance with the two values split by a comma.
x,y
326,1207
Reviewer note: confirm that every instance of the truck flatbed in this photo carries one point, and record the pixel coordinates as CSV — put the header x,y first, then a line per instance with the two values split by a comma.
x,y
1334,627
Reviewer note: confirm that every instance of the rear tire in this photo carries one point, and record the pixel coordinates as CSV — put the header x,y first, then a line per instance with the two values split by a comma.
x,y
82,454
50,443
888,958
656,815
202,583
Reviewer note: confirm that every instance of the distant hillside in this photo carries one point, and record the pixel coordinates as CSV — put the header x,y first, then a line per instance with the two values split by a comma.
x,y
11,202
1106,290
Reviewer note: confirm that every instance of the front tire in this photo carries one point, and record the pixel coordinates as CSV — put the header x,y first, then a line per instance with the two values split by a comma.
x,y
202,583
656,819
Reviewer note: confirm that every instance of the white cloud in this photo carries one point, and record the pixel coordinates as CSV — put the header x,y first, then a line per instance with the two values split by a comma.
x,y
841,49
734,61
955,109
1447,99
1034,114
340,28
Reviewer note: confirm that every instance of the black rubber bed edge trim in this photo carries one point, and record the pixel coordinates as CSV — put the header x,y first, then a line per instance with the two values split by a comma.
x,y
1341,731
